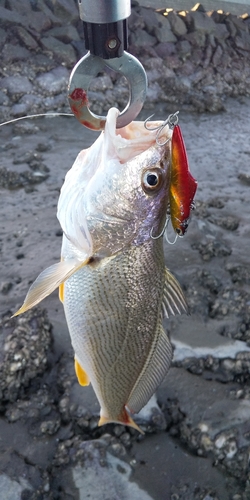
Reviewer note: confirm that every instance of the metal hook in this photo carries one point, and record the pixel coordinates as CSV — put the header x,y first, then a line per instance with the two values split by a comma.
x,y
162,232
87,68
171,121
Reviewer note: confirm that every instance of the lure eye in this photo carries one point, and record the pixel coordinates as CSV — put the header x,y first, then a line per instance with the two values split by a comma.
x,y
151,180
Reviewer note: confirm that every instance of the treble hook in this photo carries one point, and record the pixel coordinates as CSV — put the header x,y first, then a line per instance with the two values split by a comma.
x,y
171,121
162,232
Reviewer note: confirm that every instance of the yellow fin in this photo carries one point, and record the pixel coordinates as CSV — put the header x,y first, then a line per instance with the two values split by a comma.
x,y
48,281
61,292
82,376
123,419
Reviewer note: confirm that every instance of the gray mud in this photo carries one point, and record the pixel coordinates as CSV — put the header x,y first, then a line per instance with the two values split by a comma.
x,y
197,446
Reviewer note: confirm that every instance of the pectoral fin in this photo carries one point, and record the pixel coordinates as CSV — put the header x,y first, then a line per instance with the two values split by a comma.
x,y
82,376
173,301
48,281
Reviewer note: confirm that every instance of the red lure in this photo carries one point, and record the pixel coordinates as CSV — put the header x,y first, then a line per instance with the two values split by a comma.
x,y
182,185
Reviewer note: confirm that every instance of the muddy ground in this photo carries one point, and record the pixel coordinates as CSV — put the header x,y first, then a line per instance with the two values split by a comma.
x,y
201,446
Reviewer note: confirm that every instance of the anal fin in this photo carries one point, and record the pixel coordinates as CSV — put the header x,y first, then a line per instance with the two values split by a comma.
x,y
155,368
82,376
123,419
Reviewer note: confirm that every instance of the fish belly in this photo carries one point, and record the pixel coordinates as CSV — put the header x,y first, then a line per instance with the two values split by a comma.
x,y
113,311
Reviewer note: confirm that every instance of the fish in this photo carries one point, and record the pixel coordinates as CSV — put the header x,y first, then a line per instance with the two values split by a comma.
x,y
112,278
183,186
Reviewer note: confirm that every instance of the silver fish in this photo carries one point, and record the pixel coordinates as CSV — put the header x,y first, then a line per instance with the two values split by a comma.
x,y
113,282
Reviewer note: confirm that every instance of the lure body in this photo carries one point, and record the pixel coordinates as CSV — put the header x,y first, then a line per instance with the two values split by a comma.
x,y
182,184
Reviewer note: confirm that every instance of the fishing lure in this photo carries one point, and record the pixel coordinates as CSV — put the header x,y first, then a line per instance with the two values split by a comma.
x,y
182,187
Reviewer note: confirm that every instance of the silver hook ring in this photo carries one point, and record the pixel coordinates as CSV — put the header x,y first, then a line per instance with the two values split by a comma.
x,y
87,68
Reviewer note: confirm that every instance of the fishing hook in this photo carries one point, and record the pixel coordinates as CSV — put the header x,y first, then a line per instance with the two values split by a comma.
x,y
171,121
161,233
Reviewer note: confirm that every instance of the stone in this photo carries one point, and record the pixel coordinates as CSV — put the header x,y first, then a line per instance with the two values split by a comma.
x,y
66,10
165,49
183,48
218,17
150,18
177,24
28,40
3,37
243,42
41,6
221,32
202,22
39,21
61,51
12,53
22,8
231,27
16,85
198,7
66,34
196,38
216,59
7,17
54,81
135,21
141,38
4,100
164,34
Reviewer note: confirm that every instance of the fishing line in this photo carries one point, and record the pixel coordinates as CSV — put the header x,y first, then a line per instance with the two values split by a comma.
x,y
35,116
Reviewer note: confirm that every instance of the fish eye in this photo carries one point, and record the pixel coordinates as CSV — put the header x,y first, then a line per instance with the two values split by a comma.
x,y
151,180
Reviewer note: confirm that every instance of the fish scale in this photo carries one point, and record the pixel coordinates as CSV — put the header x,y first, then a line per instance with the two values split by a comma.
x,y
122,296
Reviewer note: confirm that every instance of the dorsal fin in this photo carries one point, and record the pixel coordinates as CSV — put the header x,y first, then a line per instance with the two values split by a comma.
x,y
173,301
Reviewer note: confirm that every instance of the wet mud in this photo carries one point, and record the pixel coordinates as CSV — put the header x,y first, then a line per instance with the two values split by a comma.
x,y
197,439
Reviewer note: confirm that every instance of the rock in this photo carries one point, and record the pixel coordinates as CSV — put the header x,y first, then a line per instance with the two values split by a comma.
x,y
3,98
7,17
218,17
218,54
66,34
54,81
164,35
243,41
28,40
12,53
221,32
177,24
16,85
66,10
43,7
62,52
150,18
202,22
39,22
165,49
3,37
23,9
20,339
135,21
141,38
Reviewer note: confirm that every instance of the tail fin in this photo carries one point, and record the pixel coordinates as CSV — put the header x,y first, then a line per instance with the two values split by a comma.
x,y
123,419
